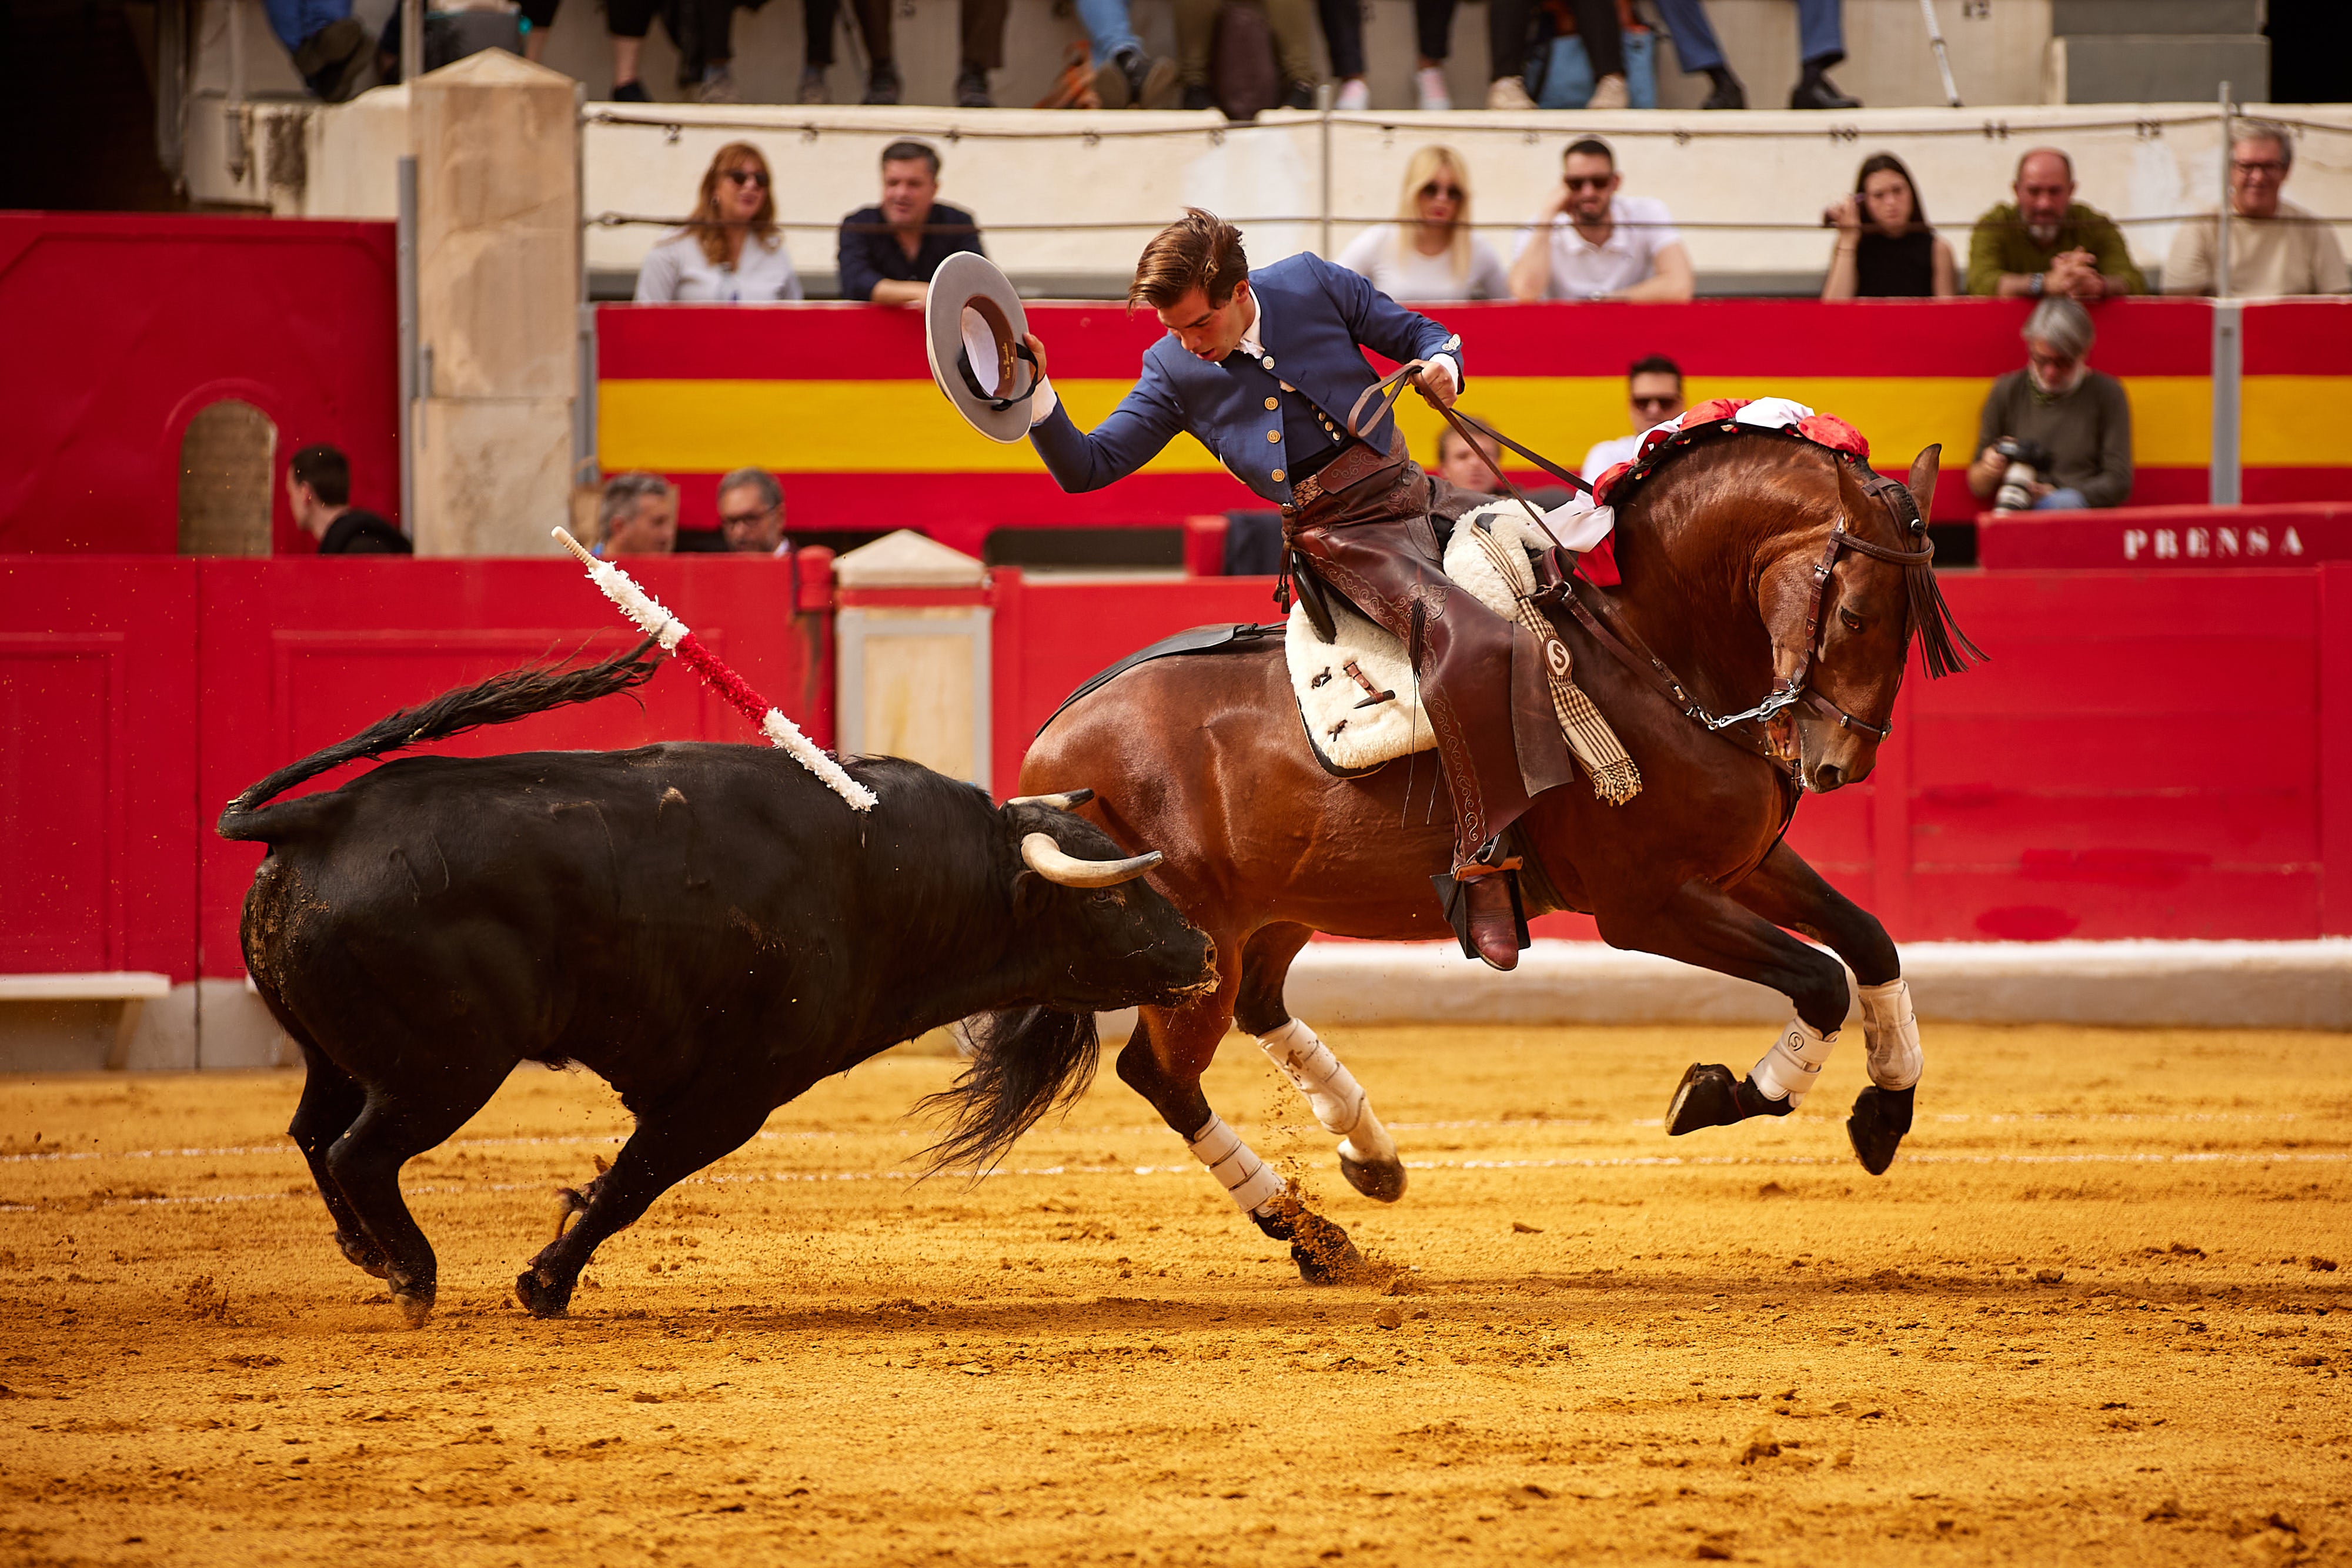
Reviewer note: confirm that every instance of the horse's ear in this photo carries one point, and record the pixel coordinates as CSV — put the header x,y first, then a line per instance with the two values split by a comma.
x,y
1922,481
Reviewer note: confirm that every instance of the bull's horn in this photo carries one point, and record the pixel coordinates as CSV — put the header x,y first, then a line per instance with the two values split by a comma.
x,y
1067,800
1041,855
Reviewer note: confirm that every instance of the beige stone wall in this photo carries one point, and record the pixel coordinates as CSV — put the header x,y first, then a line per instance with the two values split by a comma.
x,y
497,237
226,461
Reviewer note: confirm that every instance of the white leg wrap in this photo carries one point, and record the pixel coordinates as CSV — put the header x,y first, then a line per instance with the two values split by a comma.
x,y
1332,1090
1893,1031
1249,1181
1788,1071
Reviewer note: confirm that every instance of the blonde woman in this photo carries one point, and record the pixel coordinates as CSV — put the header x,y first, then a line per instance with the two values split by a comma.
x,y
1429,253
729,252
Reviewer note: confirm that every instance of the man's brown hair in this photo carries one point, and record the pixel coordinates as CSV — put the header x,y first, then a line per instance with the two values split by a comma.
x,y
1200,251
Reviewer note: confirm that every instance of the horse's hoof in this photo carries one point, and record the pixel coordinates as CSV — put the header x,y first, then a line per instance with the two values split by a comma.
x,y
542,1295
1709,1096
1323,1254
1881,1117
362,1253
1379,1180
416,1305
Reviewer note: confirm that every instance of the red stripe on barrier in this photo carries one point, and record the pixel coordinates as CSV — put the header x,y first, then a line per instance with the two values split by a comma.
x,y
2297,338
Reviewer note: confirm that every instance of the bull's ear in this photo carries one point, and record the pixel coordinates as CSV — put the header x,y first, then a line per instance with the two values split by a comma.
x,y
1922,481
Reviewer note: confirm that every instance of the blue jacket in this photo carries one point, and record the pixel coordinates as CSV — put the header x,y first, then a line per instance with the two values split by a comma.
x,y
1314,317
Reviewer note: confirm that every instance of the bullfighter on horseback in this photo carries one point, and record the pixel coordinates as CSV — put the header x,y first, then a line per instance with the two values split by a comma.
x,y
1268,373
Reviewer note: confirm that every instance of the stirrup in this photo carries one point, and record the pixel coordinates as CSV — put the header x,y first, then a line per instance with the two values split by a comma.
x,y
1451,897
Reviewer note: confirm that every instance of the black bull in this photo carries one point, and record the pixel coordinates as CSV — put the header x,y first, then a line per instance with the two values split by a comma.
x,y
708,927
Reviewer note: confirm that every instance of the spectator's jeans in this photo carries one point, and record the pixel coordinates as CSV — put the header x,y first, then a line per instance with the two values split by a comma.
x,y
295,20
1343,36
2060,501
1507,37
1820,33
1291,21
1108,28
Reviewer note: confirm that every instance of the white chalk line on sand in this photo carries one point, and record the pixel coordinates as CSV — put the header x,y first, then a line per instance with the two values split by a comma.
x,y
1596,1162
614,1139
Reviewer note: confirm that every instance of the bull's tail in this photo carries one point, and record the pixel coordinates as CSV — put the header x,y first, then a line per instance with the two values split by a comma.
x,y
1026,1061
501,699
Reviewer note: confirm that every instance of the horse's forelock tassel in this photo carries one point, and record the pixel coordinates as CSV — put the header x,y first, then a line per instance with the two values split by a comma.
x,y
678,639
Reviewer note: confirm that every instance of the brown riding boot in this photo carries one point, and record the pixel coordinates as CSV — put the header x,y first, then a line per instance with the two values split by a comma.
x,y
1493,923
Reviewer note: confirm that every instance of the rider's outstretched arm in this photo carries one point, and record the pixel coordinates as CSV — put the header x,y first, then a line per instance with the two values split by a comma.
x,y
1146,420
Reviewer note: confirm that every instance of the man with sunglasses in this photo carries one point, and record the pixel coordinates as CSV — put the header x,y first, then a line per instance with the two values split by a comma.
x,y
1591,242
2275,247
1653,393
752,513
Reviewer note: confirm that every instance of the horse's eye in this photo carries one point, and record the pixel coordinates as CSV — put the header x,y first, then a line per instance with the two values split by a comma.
x,y
1853,622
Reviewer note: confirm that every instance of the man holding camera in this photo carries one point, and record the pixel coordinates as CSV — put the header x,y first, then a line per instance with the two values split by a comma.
x,y
2056,434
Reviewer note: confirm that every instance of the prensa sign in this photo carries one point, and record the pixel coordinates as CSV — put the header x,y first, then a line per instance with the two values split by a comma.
x,y
2202,538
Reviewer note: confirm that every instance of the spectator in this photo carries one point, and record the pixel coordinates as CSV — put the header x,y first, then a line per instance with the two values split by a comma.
x,y
1509,30
1653,394
626,22
330,47
2275,246
1429,252
1821,43
1343,40
638,516
1458,463
319,489
2082,417
1884,248
888,253
752,513
2046,241
1292,22
1590,243
1125,76
980,25
729,252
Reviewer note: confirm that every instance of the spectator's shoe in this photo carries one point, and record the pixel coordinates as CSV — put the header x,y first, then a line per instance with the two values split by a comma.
x,y
972,88
813,86
1198,96
717,86
1511,93
631,92
1133,80
334,59
881,83
1354,95
1817,91
1298,94
1611,93
1727,93
1429,89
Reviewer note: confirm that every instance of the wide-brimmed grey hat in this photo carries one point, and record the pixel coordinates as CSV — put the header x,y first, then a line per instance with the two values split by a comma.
x,y
972,328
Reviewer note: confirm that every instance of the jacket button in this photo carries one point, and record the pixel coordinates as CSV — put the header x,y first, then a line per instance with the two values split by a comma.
x,y
1277,475
1268,361
1273,403
1274,435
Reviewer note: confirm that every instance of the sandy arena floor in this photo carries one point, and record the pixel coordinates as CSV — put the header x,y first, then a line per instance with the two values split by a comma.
x,y
2089,1318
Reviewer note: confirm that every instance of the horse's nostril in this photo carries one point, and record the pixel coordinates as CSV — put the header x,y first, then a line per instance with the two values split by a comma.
x,y
1828,776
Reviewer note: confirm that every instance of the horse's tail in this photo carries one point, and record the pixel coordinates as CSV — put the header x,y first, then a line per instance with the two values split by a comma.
x,y
1024,1062
501,699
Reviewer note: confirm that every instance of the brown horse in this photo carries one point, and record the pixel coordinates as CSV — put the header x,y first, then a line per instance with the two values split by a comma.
x,y
1732,579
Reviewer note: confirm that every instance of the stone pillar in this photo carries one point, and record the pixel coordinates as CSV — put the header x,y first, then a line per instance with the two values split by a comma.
x,y
911,638
498,251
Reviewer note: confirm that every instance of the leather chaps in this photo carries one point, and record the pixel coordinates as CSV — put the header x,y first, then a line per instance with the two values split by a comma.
x,y
1373,540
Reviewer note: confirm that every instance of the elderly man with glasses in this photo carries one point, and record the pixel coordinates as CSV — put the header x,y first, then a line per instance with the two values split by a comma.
x,y
2080,417
752,513
1591,242
2275,247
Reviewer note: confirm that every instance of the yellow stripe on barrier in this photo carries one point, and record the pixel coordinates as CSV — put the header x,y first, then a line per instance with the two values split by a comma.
x,y
2294,422
905,426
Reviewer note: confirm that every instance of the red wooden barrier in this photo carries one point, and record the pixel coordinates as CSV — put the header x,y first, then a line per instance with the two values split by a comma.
x,y
2189,538
122,328
2144,757
139,696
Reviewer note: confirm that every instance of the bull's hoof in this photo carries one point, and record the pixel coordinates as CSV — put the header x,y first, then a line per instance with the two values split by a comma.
x,y
1383,1181
1881,1117
542,1295
362,1253
1709,1096
416,1303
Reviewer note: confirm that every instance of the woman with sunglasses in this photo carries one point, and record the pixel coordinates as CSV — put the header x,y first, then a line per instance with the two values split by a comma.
x,y
1884,248
729,252
1430,252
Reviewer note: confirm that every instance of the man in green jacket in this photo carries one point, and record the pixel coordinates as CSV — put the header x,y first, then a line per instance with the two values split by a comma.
x,y
2048,244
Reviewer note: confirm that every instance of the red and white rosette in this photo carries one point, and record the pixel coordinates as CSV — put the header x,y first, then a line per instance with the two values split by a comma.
x,y
676,638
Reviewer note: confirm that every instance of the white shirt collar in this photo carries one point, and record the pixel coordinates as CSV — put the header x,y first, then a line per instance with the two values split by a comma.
x,y
1254,335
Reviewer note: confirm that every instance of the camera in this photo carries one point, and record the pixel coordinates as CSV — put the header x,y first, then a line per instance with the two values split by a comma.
x,y
2027,462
